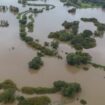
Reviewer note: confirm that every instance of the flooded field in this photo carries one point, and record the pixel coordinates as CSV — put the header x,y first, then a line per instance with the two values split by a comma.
x,y
14,62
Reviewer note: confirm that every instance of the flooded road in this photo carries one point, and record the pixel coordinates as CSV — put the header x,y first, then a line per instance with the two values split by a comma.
x,y
14,62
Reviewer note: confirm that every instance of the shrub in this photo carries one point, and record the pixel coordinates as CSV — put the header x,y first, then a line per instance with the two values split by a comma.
x,y
78,58
36,63
8,96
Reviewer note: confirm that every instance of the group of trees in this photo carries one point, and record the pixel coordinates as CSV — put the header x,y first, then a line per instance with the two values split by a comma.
x,y
100,26
73,10
44,6
4,23
3,8
14,9
66,89
30,41
36,63
83,40
78,58
9,96
71,36
42,100
72,26
83,3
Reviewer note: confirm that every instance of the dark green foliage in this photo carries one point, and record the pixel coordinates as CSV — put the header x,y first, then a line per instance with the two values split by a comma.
x,y
78,41
73,26
83,41
8,96
73,10
40,54
59,84
61,35
46,43
23,21
83,3
39,90
36,63
103,6
100,26
66,89
4,23
28,39
97,65
78,58
14,9
30,26
83,102
71,90
55,44
89,43
8,84
42,100
87,33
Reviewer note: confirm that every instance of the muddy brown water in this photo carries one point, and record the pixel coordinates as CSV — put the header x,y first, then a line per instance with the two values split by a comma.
x,y
14,62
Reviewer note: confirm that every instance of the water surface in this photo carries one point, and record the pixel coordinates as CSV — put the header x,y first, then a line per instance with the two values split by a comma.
x,y
14,63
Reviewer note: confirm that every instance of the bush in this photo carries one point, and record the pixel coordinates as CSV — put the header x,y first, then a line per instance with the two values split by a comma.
x,y
8,84
83,102
71,90
78,58
39,90
59,84
66,89
42,100
36,63
87,33
55,44
8,96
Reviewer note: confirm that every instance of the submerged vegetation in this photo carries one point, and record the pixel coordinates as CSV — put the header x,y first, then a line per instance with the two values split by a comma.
x,y
66,89
36,63
8,84
29,40
84,3
3,8
71,36
42,100
12,8
4,23
78,58
100,26
26,2
9,95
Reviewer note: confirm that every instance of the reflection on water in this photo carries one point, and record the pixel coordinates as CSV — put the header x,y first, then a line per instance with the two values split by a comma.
x,y
14,63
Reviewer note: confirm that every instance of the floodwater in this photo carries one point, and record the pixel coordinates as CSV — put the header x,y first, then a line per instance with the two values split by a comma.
x,y
14,62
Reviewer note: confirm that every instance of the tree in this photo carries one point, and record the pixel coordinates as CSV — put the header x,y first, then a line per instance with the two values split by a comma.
x,y
8,96
59,84
87,33
36,63
55,44
78,58
71,89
